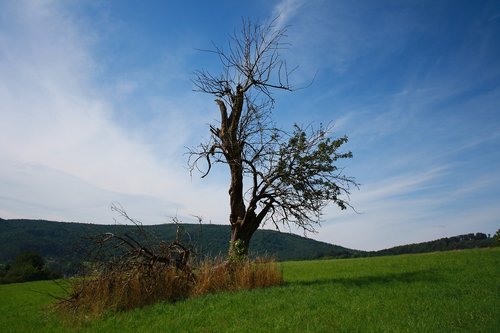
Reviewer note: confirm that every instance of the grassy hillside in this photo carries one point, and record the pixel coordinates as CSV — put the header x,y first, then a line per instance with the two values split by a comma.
x,y
454,291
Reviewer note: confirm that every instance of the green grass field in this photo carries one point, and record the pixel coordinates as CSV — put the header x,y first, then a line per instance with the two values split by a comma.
x,y
455,291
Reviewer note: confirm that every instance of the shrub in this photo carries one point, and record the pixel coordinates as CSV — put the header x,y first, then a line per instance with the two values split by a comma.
x,y
28,266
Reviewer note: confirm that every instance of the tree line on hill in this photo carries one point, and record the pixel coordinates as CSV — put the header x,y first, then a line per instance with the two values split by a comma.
x,y
27,266
460,242
63,246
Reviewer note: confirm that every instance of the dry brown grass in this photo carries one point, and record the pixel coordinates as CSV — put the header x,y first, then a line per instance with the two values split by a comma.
x,y
121,289
125,289
231,276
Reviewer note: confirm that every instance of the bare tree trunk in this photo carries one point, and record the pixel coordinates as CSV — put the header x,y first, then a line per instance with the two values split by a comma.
x,y
243,231
240,230
236,201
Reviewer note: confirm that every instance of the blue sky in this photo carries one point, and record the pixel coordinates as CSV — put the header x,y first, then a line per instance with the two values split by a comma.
x,y
96,106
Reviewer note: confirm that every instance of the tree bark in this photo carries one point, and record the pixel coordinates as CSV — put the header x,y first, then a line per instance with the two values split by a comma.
x,y
243,224
243,231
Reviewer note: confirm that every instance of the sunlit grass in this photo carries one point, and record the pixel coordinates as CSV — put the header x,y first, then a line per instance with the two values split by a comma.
x,y
440,292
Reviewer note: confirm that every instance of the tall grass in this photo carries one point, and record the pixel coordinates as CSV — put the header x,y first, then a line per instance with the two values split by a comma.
x,y
231,276
125,288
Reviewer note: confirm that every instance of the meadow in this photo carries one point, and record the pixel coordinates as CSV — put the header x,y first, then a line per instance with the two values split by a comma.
x,y
457,291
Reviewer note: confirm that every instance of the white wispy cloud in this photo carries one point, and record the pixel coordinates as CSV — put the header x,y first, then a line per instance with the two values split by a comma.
x,y
414,134
59,136
285,10
412,208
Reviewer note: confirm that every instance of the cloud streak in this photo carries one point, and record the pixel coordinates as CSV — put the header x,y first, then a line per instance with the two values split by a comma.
x,y
285,10
60,137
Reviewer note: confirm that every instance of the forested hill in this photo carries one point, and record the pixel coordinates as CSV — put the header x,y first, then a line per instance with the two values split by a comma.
x,y
65,242
467,241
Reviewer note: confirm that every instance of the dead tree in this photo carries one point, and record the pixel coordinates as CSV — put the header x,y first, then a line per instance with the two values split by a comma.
x,y
275,175
136,247
128,269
